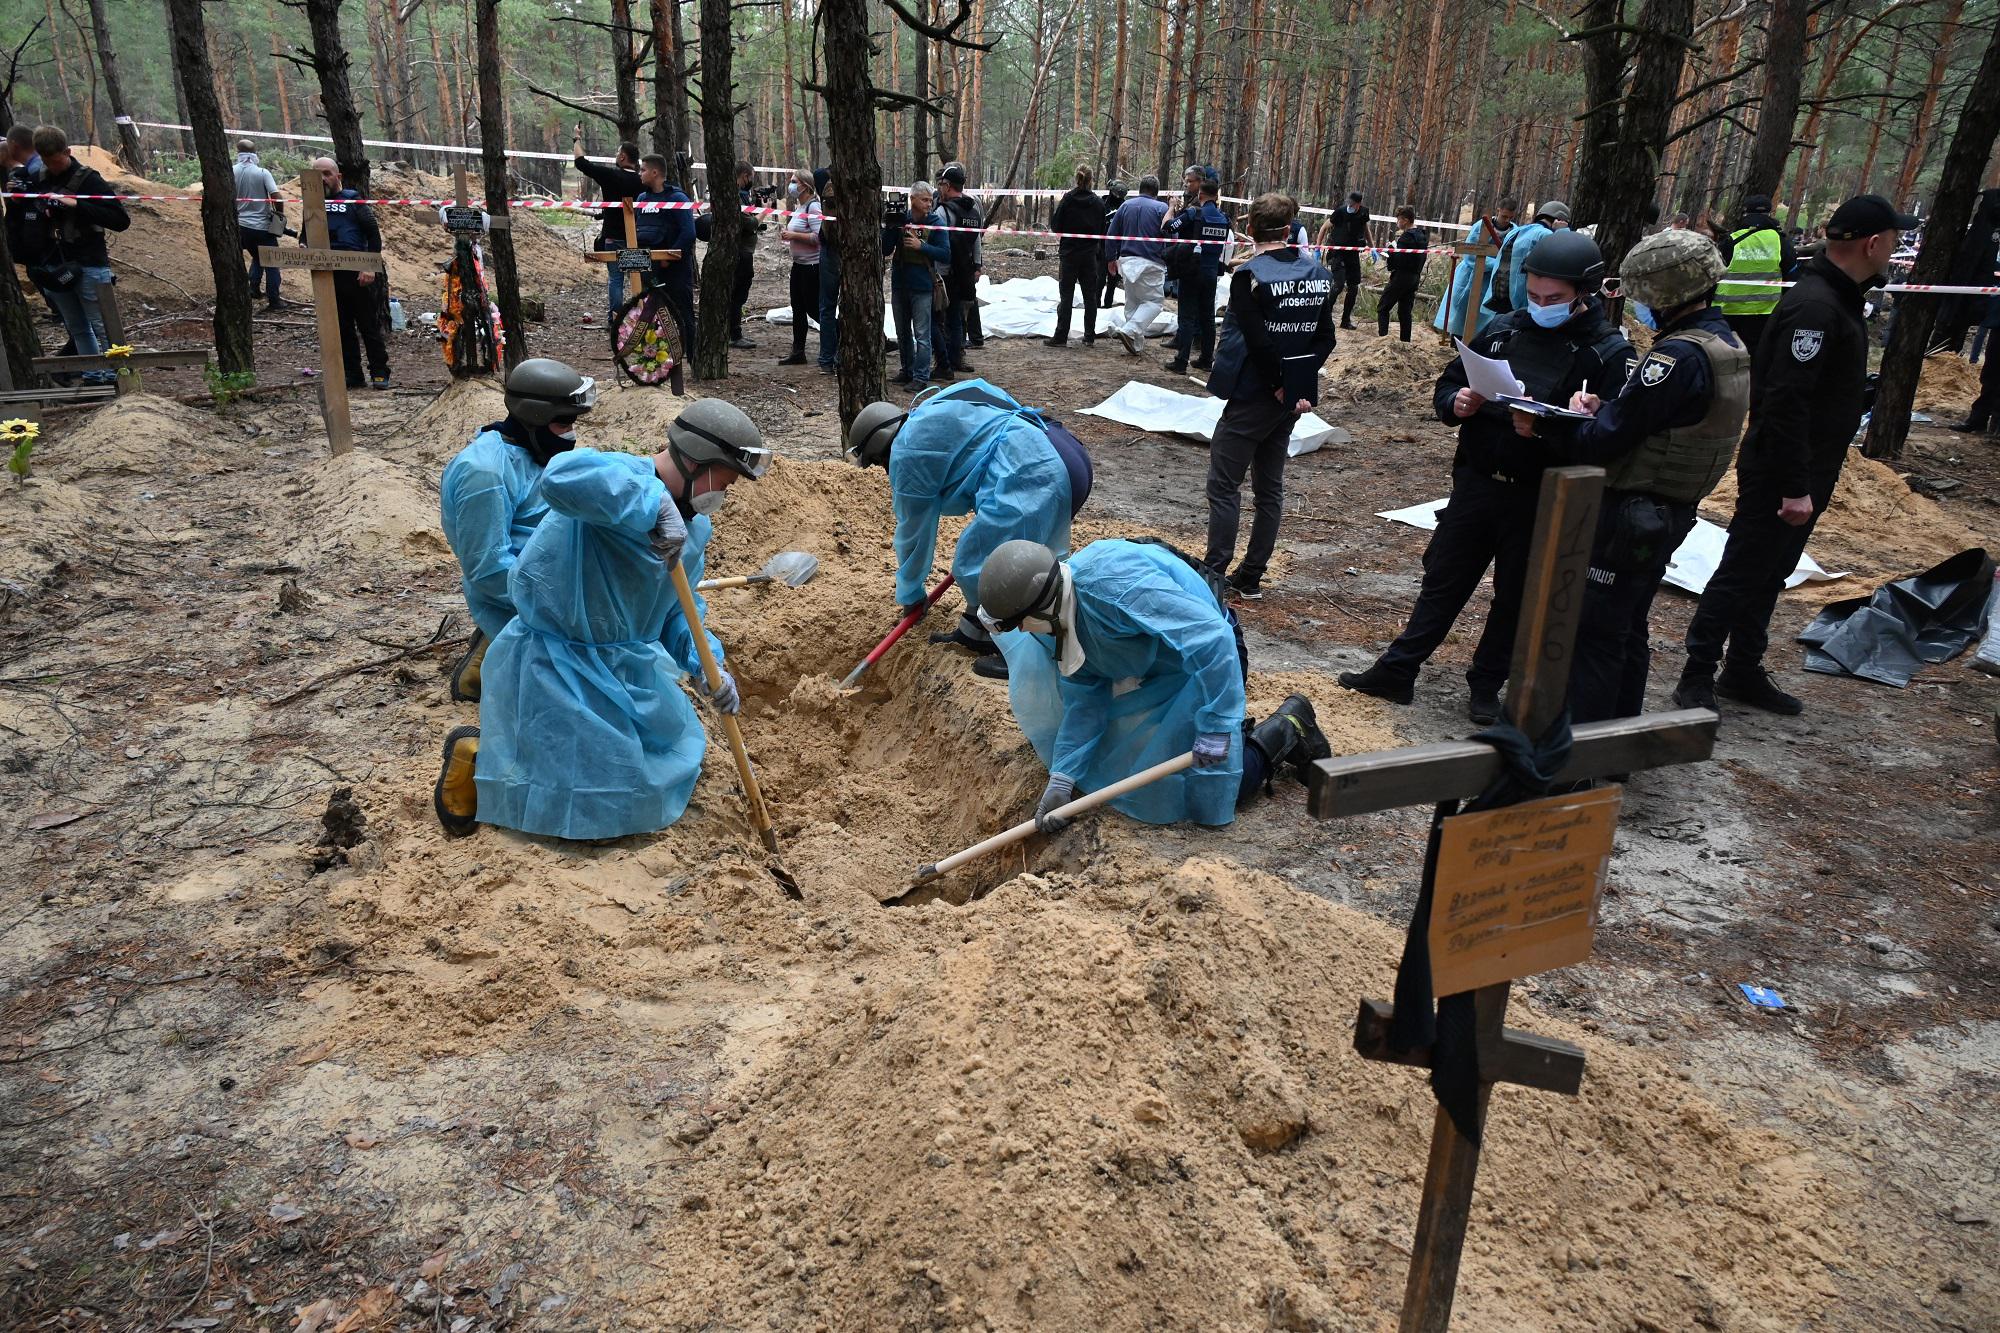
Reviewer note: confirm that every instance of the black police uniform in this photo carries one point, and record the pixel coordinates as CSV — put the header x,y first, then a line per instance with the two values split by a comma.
x,y
1666,439
1078,264
1495,480
1406,271
351,226
746,266
1348,226
1808,385
1195,315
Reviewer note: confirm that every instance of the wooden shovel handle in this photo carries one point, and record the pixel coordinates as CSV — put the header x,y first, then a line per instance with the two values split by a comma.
x,y
760,816
733,581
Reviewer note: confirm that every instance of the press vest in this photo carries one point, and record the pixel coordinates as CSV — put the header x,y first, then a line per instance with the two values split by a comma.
x,y
1759,254
343,221
1299,286
1684,463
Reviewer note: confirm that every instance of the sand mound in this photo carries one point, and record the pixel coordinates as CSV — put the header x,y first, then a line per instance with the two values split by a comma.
x,y
140,433
360,504
627,418
1877,529
1385,369
1949,385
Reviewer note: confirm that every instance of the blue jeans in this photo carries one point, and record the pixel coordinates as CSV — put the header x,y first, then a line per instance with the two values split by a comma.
x,y
253,243
614,288
829,305
913,333
82,318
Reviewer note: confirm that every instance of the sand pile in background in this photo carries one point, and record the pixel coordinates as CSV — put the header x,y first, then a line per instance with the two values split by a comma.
x,y
627,417
1364,368
1948,386
1876,528
364,505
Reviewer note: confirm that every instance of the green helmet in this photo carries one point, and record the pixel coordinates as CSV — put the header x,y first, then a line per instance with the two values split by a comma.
x,y
709,430
1671,268
873,431
1020,579
541,389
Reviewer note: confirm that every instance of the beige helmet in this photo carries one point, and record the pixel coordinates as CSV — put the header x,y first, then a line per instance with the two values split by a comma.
x,y
1671,268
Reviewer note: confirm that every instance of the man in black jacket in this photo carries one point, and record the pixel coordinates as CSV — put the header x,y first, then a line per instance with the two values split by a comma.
x,y
746,260
1114,199
962,279
1406,270
620,181
1080,211
63,242
1346,226
1808,390
1556,345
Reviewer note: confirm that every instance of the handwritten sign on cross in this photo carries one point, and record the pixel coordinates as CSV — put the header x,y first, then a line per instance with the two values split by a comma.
x,y
324,263
1518,883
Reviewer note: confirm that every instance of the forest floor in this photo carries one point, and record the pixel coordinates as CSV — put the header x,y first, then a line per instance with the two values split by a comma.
x,y
274,1053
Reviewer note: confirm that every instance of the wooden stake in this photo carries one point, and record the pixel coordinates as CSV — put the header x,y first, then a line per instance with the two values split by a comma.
x,y
326,315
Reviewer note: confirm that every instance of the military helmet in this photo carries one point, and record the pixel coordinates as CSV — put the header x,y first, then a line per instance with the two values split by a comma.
x,y
1554,209
1570,256
708,430
1116,189
1020,579
1671,268
541,389
873,431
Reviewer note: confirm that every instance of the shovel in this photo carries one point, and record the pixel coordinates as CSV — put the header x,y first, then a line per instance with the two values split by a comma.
x,y
791,568
1026,828
760,814
903,627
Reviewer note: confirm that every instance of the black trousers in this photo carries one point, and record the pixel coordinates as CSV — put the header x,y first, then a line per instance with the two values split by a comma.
x,y
1251,437
805,303
1748,328
1734,614
1486,522
354,308
1078,269
1196,316
1346,267
739,295
1110,272
1399,296
1613,640
1986,407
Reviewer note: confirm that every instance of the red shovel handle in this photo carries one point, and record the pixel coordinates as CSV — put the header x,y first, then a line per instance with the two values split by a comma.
x,y
902,628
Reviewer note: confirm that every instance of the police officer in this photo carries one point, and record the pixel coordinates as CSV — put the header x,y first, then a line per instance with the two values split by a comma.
x,y
1554,344
1205,221
1808,390
1664,441
1114,199
350,225
1762,253
1345,232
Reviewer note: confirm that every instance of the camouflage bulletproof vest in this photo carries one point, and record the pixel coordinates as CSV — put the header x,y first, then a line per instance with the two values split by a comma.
x,y
1684,463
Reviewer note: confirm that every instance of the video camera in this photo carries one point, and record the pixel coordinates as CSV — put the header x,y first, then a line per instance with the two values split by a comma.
x,y
895,213
763,194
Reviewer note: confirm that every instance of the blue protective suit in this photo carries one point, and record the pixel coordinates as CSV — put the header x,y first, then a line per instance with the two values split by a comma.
x,y
584,729
1160,667
1453,310
489,504
1520,243
955,454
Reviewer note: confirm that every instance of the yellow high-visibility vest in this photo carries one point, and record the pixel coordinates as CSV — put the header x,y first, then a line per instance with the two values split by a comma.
x,y
1759,254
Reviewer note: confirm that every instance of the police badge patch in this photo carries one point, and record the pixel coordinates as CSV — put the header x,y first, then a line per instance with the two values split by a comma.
x,y
1656,368
1806,343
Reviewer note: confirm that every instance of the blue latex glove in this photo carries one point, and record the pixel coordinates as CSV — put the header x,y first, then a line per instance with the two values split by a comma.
x,y
1060,792
724,698
1210,749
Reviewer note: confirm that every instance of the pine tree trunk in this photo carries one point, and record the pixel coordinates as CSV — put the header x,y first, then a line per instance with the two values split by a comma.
x,y
233,350
278,68
1784,68
791,80
18,338
1164,101
1188,120
850,112
180,93
1920,133
1951,213
440,75
1863,182
1112,144
726,241
343,121
920,139
129,147
493,157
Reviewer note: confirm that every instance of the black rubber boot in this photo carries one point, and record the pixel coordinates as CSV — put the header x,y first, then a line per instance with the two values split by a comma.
x,y
1753,685
1482,705
1382,684
1291,737
968,633
990,668
1696,688
465,675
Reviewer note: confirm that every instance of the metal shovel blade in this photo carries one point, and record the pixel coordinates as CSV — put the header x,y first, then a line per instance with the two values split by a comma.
x,y
793,568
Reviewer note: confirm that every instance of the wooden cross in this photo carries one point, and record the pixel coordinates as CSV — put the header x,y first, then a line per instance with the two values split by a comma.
x,y
128,363
1475,295
633,262
465,217
1551,923
324,263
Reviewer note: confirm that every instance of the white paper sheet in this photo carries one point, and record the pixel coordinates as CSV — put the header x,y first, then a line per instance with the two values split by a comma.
x,y
1487,376
1149,407
1690,569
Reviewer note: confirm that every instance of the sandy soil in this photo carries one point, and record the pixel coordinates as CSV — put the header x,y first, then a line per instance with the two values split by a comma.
x,y
276,1050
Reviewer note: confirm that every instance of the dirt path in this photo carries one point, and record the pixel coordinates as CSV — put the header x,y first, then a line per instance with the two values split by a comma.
x,y
407,1082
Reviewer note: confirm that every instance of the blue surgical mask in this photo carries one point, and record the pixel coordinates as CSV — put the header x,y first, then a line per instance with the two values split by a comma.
x,y
1644,314
1549,316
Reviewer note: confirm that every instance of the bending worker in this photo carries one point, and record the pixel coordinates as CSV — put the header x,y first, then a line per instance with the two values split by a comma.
x,y
586,732
1130,658
491,497
970,449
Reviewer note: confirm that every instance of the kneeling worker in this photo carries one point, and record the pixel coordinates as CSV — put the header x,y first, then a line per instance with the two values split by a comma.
x,y
970,448
587,733
491,496
1130,658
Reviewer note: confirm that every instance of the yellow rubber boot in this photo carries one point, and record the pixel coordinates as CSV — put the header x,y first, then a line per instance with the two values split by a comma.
x,y
456,796
465,676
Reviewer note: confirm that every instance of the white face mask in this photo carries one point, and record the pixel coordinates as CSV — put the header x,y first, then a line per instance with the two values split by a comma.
x,y
708,502
1036,625
569,435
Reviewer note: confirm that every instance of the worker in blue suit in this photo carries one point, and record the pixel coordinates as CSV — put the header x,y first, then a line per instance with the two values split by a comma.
x,y
1491,229
970,449
1126,656
586,732
1509,290
491,496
